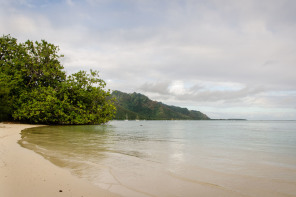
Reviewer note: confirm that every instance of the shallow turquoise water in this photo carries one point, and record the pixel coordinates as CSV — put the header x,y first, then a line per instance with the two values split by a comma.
x,y
176,158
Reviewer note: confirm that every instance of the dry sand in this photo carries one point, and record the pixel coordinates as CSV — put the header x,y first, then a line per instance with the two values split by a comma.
x,y
24,173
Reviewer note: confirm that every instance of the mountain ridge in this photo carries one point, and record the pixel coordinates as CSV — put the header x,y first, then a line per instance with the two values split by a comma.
x,y
134,106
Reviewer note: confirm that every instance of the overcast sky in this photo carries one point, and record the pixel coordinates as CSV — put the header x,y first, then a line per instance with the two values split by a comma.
x,y
226,58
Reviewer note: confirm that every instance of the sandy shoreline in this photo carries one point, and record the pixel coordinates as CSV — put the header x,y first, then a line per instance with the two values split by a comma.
x,y
25,173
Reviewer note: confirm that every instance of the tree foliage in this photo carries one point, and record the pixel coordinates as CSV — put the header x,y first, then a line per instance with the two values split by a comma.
x,y
34,87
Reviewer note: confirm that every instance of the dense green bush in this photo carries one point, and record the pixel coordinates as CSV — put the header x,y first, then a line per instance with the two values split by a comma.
x,y
34,88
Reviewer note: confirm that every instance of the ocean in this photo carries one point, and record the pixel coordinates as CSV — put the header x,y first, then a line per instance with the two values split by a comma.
x,y
175,158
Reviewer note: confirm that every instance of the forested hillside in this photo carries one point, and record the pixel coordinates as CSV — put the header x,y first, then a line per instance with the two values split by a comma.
x,y
138,106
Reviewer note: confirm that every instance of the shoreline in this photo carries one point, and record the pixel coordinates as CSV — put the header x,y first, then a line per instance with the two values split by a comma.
x,y
25,173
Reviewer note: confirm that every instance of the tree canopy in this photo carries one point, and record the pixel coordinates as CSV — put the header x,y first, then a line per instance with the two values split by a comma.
x,y
34,87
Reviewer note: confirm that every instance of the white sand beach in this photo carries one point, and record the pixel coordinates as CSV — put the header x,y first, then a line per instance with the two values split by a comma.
x,y
27,174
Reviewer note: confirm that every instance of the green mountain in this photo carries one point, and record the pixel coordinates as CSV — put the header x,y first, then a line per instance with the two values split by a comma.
x,y
138,106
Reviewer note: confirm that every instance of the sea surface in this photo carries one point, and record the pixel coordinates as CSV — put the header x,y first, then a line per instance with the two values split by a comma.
x,y
175,158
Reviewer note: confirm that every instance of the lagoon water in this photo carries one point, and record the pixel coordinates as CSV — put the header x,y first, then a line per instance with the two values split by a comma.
x,y
175,158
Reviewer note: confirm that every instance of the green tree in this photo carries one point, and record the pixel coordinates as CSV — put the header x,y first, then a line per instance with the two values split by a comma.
x,y
5,103
86,100
9,73
34,87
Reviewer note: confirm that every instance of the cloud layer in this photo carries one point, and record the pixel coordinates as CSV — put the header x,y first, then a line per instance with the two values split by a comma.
x,y
227,58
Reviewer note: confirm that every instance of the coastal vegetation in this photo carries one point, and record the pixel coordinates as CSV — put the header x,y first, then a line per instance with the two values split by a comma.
x,y
138,106
34,87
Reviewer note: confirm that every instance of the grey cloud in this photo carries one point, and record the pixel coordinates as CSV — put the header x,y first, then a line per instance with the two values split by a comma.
x,y
214,96
158,87
196,93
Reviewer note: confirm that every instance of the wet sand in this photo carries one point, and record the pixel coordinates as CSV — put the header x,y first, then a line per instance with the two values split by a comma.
x,y
25,173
